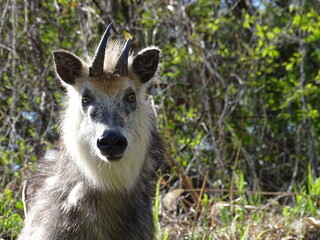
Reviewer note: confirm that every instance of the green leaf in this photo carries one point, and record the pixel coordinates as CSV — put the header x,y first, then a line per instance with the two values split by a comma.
x,y
19,204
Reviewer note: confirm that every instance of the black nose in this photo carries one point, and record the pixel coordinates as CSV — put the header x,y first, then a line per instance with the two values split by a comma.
x,y
112,145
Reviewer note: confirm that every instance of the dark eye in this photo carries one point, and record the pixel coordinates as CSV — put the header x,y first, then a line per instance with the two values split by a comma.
x,y
131,98
86,99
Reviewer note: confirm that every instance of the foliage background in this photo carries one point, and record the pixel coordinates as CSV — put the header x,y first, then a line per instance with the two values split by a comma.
x,y
237,93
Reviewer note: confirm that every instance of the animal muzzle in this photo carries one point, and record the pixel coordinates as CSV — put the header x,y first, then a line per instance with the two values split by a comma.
x,y
112,145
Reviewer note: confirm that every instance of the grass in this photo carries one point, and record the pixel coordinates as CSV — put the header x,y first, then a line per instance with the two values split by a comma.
x,y
223,220
239,214
213,214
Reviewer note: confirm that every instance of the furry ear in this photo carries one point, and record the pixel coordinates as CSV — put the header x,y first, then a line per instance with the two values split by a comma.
x,y
145,64
68,66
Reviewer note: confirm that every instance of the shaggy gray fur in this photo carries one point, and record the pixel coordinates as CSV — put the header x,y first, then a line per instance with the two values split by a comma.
x,y
100,214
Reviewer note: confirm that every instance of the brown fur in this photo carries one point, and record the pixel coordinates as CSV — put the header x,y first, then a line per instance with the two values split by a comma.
x,y
108,84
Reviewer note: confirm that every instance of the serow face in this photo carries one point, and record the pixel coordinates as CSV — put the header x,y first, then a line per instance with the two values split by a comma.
x,y
110,114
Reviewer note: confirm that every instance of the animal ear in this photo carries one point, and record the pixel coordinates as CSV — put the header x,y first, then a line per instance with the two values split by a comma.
x,y
145,64
68,66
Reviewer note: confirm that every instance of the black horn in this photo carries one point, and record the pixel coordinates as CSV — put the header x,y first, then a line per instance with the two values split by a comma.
x,y
122,63
96,68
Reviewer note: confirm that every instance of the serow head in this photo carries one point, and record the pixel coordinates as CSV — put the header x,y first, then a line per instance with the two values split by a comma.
x,y
106,111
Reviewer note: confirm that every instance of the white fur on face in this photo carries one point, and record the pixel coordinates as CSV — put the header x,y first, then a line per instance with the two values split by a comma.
x,y
80,136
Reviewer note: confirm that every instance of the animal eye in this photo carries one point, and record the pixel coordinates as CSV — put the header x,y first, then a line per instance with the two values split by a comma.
x,y
86,99
131,97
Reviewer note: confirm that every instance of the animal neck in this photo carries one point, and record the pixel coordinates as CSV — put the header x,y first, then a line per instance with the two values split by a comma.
x,y
121,175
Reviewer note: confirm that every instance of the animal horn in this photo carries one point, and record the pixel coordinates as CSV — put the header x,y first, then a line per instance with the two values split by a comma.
x,y
122,63
96,68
